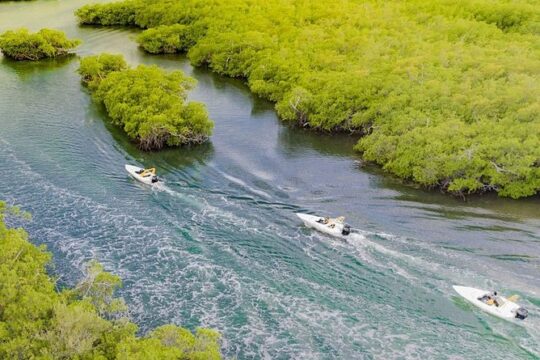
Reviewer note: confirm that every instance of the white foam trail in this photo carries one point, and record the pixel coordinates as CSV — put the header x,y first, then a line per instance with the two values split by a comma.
x,y
243,184
276,319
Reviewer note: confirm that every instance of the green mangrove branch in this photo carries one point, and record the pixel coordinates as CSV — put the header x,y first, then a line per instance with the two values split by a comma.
x,y
444,92
85,322
46,43
147,102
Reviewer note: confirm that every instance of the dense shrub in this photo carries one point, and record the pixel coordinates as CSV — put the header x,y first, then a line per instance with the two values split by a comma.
x,y
107,14
445,92
86,322
93,69
165,39
46,43
147,102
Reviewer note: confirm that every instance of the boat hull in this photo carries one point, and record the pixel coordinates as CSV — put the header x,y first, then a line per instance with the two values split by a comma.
x,y
132,171
311,221
506,311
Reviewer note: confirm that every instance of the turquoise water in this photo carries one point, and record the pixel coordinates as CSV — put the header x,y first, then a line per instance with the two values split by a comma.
x,y
219,245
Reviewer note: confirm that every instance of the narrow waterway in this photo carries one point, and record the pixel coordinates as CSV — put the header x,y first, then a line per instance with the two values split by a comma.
x,y
220,246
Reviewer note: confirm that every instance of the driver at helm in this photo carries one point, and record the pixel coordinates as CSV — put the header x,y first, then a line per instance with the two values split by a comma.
x,y
148,172
490,298
331,223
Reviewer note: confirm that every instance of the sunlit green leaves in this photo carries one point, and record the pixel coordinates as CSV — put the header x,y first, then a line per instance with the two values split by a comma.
x,y
93,69
109,14
436,87
87,322
165,39
46,43
147,102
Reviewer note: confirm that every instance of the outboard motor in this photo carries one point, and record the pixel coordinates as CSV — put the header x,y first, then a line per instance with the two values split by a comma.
x,y
521,313
154,179
346,230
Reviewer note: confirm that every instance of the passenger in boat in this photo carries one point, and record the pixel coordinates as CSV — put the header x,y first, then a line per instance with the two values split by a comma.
x,y
333,222
490,299
495,300
148,172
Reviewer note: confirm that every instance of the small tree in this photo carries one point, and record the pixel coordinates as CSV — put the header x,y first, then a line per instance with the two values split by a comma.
x,y
99,287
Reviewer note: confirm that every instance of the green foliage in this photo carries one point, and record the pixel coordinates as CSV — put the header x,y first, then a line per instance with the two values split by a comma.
x,y
73,330
27,294
98,288
444,92
107,14
165,39
172,342
37,321
93,69
147,102
46,43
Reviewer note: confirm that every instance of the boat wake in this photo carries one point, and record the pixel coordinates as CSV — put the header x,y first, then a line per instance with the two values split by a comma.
x,y
268,284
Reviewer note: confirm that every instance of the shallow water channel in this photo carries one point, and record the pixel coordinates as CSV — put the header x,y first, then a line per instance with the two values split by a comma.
x,y
220,246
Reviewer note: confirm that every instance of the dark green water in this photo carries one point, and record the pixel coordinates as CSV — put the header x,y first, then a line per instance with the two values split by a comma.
x,y
220,246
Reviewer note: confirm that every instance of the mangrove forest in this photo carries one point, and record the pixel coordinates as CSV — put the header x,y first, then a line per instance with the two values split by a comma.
x,y
444,93
87,321
147,102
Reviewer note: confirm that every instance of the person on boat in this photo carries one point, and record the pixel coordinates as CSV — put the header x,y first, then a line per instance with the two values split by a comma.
x,y
496,300
333,222
148,172
490,299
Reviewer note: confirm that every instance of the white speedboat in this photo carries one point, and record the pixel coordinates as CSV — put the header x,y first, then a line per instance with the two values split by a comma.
x,y
135,172
333,228
506,309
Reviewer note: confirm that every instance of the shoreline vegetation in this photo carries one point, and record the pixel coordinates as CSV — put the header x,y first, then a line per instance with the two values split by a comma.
x,y
444,93
84,322
147,102
22,45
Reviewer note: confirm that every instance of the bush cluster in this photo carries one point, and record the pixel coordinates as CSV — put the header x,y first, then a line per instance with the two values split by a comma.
x,y
166,39
84,322
444,92
147,102
46,43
